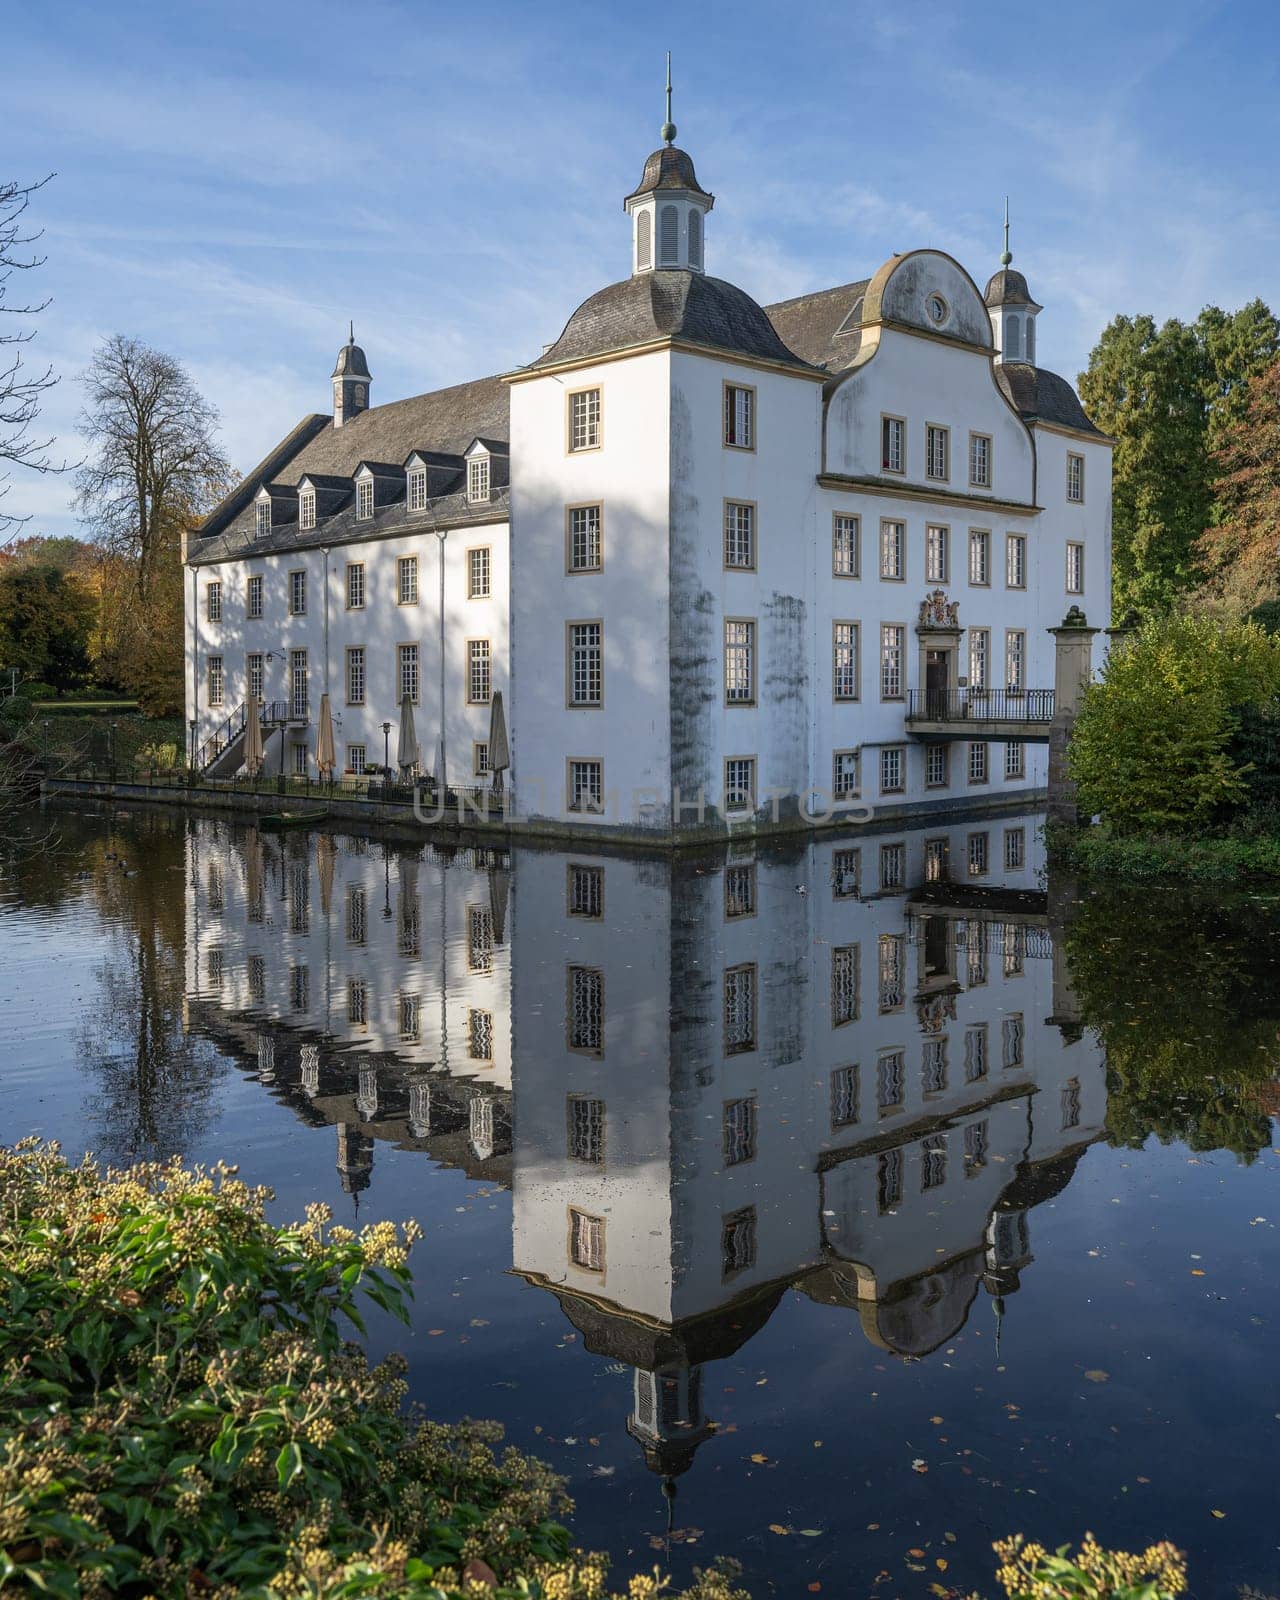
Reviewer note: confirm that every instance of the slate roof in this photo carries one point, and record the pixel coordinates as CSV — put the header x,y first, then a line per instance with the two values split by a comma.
x,y
1008,288
351,362
823,329
668,168
1042,396
669,305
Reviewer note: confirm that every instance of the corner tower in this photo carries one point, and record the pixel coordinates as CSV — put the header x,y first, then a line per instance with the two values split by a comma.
x,y
668,207
350,382
1011,309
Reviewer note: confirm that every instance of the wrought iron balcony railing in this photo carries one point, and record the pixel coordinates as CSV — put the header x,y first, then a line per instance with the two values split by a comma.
x,y
980,705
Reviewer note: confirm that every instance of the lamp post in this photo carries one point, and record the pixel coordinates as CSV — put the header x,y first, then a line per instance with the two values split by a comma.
x,y
386,750
45,726
386,883
112,749
192,726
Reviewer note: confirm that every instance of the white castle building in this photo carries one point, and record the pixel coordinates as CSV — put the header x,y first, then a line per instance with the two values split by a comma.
x,y
725,563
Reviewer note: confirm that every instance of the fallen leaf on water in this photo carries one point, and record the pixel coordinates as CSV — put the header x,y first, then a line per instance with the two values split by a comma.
x,y
1218,1514
817,1444
759,1459
1197,1272
919,1466
1144,1480
940,1564
435,1332
1097,1375
916,1553
776,1527
949,1537
873,1527
811,1533
814,1588
937,1421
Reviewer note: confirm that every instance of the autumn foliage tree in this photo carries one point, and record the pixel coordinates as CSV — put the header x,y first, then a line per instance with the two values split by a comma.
x,y
1241,552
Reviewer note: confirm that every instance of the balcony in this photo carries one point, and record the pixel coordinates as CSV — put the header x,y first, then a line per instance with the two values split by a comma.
x,y
1001,714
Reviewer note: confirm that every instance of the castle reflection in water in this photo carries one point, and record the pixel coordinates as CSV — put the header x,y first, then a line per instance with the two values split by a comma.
x,y
851,1067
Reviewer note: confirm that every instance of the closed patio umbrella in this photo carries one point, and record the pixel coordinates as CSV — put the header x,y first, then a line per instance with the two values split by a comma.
x,y
326,756
499,749
407,749
252,738
326,855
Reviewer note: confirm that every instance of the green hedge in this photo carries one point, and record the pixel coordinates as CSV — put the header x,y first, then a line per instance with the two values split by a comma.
x,y
1235,858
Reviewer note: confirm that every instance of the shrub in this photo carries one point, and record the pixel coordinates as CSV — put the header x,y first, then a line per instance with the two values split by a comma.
x,y
181,1414
1029,1572
1151,747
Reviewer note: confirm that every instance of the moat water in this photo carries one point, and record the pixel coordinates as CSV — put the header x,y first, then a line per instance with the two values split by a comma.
x,y
840,1208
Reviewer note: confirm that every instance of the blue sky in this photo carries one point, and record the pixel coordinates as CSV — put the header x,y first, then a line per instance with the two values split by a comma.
x,y
234,181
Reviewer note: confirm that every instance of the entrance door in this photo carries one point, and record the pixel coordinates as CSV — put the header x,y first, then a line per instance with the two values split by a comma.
x,y
937,682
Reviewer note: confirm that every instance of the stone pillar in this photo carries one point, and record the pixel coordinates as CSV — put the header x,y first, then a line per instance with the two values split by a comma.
x,y
1073,650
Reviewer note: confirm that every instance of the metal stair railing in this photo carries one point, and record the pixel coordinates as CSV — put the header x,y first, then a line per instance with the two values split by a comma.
x,y
221,739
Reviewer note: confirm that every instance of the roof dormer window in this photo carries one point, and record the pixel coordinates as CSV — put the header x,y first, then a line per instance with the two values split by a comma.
x,y
306,508
478,478
262,526
364,499
416,488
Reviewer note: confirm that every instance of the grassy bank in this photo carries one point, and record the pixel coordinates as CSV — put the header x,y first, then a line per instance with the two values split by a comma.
x,y
1148,857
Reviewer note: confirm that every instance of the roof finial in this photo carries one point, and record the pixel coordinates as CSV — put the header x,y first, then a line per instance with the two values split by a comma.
x,y
1007,257
668,127
351,331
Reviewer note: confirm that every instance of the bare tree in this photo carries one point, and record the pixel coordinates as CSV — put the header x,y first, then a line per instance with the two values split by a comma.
x,y
21,387
155,462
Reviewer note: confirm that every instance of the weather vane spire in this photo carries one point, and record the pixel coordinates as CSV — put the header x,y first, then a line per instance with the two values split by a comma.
x,y
351,331
1007,257
668,127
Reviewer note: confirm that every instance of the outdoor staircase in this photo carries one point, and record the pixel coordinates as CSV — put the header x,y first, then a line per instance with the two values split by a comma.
x,y
222,753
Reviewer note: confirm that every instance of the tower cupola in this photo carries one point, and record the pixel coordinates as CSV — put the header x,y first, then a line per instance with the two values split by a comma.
x,y
668,208
350,382
1011,309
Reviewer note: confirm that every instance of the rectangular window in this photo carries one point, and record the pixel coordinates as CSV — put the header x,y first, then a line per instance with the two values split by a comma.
x,y
975,955
738,1242
975,1053
407,673
892,769
844,660
893,866
299,760
586,1241
253,674
586,1129
1011,1042
1015,948
740,783
740,535
888,1180
586,892
584,420
1071,1104
417,489
585,663
213,601
478,478
937,554
306,509
408,1012
739,1009
215,680
357,918
299,988
739,416
936,762
1015,759
976,1145
356,759
358,1002
479,672
739,661
933,1162
253,603
979,461
979,557
584,542
585,1022
297,594
1015,561
355,675
979,654
845,783
738,1131
1075,569
1015,849
937,452
892,645
1075,478
846,874
844,1097
977,855
478,573
479,758
740,891
1015,660
933,1067
978,764
937,861
892,971
262,519
407,580
846,546
844,984
586,785
364,499
479,938
479,1035
893,550
892,436
891,1082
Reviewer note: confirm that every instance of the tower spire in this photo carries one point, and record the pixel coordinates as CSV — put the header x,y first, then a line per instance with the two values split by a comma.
x,y
351,330
668,127
1007,257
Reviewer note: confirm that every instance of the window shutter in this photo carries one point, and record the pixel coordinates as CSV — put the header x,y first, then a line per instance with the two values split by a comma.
x,y
644,241
669,236
695,239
